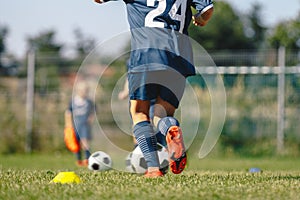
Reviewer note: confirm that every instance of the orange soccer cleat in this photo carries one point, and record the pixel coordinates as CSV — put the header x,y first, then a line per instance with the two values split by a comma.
x,y
79,163
85,163
177,154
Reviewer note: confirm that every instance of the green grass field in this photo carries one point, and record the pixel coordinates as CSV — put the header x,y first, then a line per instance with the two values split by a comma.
x,y
28,177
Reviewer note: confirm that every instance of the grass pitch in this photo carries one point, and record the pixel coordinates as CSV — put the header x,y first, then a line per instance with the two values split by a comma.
x,y
28,177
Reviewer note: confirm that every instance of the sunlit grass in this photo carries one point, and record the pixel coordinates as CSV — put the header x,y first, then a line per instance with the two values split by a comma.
x,y
29,176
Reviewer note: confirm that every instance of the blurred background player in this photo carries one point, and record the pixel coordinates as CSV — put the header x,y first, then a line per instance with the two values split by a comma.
x,y
80,116
160,60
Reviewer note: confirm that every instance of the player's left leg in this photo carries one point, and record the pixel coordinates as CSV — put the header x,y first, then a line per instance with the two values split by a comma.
x,y
170,135
85,137
168,126
86,148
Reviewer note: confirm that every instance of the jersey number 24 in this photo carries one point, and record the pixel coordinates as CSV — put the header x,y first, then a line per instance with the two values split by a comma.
x,y
161,8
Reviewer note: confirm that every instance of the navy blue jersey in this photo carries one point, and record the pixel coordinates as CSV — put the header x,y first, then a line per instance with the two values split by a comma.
x,y
159,34
170,14
81,110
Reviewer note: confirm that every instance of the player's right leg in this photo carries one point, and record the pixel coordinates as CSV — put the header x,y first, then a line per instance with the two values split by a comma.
x,y
145,137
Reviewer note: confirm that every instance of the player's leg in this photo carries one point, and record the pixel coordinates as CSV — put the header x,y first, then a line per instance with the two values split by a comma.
x,y
140,94
85,137
169,129
78,153
86,150
144,134
161,109
168,126
139,110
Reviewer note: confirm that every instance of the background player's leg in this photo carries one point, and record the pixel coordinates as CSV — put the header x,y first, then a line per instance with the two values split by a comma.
x,y
86,149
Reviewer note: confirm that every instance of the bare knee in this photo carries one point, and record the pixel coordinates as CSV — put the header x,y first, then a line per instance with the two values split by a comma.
x,y
139,110
162,109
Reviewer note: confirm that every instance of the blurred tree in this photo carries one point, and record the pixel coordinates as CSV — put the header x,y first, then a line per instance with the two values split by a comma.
x,y
256,31
3,35
45,43
286,33
84,45
48,60
8,63
224,31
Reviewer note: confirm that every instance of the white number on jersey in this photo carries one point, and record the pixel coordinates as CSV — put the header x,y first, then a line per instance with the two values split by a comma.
x,y
174,10
162,5
149,20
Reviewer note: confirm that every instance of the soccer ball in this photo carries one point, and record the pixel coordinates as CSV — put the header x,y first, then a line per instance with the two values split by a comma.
x,y
163,157
128,166
99,161
136,163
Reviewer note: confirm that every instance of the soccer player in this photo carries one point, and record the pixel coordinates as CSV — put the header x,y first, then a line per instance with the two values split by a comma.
x,y
80,116
160,60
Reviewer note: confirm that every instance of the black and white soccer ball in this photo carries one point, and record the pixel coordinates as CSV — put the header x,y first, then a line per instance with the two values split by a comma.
x,y
136,163
128,166
99,161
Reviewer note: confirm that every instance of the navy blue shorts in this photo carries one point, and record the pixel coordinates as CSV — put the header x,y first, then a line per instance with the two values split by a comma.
x,y
148,85
83,131
160,60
